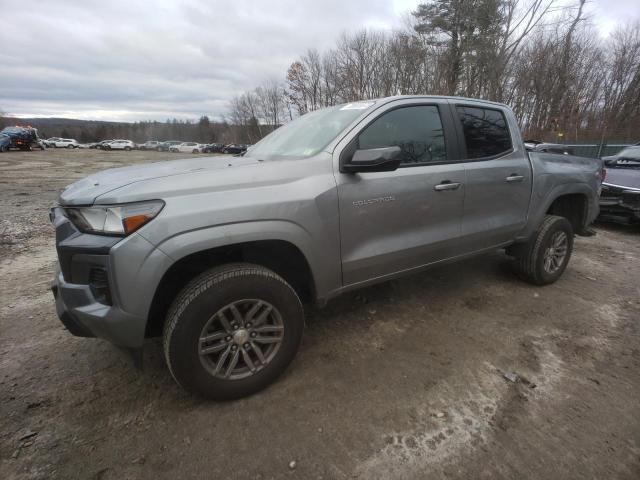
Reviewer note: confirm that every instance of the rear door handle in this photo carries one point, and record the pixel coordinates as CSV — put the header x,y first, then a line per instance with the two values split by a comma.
x,y
447,185
514,178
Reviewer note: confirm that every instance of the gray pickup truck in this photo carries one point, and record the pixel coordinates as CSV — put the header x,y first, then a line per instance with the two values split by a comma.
x,y
219,254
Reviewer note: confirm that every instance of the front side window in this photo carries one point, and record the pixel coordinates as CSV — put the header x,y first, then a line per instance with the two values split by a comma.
x,y
416,130
485,132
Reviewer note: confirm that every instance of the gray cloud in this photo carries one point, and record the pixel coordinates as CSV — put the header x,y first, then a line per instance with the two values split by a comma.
x,y
149,60
136,60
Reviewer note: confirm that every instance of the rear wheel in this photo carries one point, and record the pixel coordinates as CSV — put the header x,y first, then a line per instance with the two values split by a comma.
x,y
127,148
69,146
544,258
195,150
232,331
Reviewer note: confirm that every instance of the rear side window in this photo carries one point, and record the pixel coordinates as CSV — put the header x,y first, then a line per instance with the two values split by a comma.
x,y
485,132
416,130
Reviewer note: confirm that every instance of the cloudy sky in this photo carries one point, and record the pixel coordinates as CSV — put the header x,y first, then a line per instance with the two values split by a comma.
x,y
151,60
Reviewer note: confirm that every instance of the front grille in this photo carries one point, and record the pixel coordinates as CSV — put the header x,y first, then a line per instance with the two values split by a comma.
x,y
611,191
99,283
631,199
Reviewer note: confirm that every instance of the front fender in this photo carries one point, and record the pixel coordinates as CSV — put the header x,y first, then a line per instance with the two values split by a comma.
x,y
325,276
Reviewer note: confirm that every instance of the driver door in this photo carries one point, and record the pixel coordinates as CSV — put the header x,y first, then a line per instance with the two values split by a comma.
x,y
396,221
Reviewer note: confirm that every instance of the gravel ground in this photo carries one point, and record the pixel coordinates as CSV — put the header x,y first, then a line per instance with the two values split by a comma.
x,y
401,380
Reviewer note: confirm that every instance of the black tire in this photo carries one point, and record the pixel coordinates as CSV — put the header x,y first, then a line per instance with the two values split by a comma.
x,y
195,150
70,146
211,292
127,149
530,256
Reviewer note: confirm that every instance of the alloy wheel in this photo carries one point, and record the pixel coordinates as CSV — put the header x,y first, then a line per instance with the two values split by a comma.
x,y
241,339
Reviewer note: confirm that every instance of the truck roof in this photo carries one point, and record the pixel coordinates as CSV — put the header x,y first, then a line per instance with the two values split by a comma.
x,y
442,97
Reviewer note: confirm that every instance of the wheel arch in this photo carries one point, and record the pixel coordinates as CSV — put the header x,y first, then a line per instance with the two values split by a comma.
x,y
572,206
567,200
282,256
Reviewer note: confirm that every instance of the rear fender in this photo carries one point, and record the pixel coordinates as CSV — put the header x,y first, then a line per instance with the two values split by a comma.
x,y
542,202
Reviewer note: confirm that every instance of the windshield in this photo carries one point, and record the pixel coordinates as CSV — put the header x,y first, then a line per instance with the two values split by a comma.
x,y
308,134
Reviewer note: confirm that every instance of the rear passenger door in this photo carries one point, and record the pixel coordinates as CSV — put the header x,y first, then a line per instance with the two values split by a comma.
x,y
395,221
498,175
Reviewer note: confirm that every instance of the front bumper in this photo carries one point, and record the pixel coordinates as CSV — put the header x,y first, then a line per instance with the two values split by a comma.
x,y
85,316
103,286
618,204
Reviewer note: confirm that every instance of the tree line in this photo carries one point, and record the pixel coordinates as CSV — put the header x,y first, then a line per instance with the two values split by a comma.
x,y
204,130
543,58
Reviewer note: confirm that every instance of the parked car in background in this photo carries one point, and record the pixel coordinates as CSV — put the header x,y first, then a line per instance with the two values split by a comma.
x,y
234,148
66,143
538,146
187,147
166,145
217,257
620,197
103,144
22,138
213,148
151,145
120,145
50,142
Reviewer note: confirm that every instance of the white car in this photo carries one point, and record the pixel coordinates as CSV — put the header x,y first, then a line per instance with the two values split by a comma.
x,y
66,143
187,147
120,145
50,142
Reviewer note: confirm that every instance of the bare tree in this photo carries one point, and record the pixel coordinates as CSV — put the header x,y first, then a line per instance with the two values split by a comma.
x,y
539,56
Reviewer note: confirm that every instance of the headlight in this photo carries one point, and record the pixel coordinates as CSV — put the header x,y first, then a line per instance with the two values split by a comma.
x,y
114,219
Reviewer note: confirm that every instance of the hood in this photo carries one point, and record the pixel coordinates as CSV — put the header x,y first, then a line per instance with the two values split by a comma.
x,y
85,191
623,177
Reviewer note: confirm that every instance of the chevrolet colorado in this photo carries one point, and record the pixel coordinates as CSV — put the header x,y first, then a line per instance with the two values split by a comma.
x,y
217,254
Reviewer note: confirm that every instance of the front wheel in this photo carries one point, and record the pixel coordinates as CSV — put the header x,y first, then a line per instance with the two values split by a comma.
x,y
127,149
70,146
232,331
544,258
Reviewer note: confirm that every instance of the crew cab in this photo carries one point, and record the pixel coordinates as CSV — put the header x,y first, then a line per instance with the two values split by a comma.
x,y
219,257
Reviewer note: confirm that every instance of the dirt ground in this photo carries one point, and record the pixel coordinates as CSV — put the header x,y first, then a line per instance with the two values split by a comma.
x,y
401,380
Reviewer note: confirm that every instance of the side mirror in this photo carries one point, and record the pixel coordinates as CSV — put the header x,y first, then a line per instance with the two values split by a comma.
x,y
384,159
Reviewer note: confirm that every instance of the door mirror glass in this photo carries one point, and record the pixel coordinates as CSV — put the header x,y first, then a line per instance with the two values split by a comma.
x,y
374,160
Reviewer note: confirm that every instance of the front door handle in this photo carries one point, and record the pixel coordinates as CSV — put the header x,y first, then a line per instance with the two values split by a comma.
x,y
447,185
514,178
